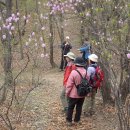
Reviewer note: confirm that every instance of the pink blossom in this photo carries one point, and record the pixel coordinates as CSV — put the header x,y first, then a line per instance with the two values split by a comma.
x,y
88,14
29,16
109,39
16,20
43,28
29,39
4,36
8,27
10,32
10,24
4,26
9,19
128,55
39,2
27,21
6,20
24,17
33,33
43,45
18,13
27,43
12,28
41,16
35,44
46,55
13,15
41,39
62,11
42,55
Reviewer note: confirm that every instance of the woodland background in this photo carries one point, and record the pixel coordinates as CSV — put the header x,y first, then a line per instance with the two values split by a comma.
x,y
31,33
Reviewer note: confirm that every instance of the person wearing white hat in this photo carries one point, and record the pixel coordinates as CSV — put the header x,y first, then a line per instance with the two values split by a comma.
x,y
89,103
65,48
93,58
70,57
67,37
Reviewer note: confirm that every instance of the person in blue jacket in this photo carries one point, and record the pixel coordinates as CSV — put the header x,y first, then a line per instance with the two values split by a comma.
x,y
85,49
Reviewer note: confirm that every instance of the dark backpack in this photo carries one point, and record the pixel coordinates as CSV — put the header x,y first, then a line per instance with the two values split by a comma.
x,y
98,77
84,87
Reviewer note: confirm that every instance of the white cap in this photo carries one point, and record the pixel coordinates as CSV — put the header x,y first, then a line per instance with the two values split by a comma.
x,y
70,55
93,57
67,37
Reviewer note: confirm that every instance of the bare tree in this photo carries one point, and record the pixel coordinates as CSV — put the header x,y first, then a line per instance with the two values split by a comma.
x,y
7,56
51,38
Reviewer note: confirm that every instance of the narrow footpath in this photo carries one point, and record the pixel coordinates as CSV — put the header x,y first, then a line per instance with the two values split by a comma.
x,y
45,108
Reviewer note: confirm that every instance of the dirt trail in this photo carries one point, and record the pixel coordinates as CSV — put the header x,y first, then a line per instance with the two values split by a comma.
x,y
45,107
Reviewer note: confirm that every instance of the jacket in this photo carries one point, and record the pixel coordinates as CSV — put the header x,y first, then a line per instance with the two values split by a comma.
x,y
65,48
85,49
91,71
70,66
74,78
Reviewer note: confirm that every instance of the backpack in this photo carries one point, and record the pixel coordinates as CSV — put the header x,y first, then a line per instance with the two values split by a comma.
x,y
98,77
84,87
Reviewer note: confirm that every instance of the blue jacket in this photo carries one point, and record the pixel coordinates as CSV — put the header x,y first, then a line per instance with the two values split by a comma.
x,y
85,49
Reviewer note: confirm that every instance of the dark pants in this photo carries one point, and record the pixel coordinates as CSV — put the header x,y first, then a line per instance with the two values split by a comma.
x,y
63,63
74,102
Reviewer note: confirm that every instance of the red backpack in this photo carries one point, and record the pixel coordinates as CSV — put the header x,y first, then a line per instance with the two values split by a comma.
x,y
98,78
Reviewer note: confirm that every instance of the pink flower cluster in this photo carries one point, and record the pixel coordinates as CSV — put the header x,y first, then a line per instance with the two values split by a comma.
x,y
59,6
9,24
128,55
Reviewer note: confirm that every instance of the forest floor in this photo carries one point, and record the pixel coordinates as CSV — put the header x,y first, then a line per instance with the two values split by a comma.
x,y
43,109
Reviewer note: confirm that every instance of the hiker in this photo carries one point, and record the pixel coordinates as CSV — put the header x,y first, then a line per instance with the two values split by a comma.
x,y
75,101
89,103
85,49
70,66
65,48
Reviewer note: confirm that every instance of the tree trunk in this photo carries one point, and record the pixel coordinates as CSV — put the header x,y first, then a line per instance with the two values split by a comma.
x,y
82,30
51,40
106,89
125,87
19,31
62,29
7,56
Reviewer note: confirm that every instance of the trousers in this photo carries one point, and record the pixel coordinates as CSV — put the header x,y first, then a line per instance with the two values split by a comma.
x,y
74,103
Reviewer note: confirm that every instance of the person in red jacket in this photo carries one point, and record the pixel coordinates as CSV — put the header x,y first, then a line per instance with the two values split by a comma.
x,y
70,66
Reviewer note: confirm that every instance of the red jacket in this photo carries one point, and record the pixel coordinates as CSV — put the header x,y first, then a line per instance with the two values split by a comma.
x,y
70,66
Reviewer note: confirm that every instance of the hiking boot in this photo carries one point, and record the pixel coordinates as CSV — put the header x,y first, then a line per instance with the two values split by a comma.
x,y
77,123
